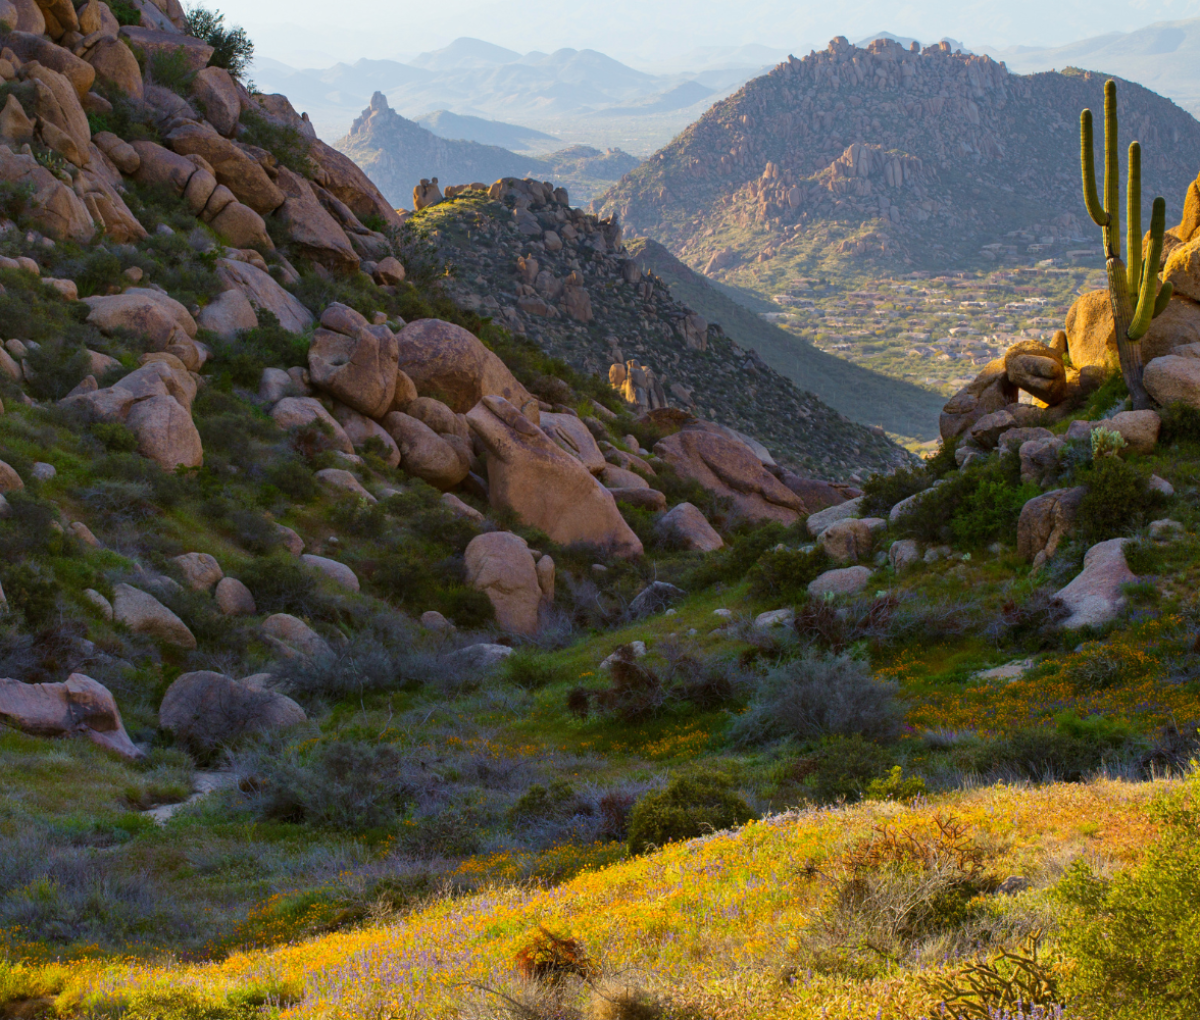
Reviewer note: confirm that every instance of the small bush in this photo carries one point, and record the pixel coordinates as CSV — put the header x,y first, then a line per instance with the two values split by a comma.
x,y
56,368
817,696
896,786
990,512
1118,500
784,575
1181,424
550,958
125,12
280,585
232,47
532,670
690,806
347,785
841,769
269,345
115,436
285,143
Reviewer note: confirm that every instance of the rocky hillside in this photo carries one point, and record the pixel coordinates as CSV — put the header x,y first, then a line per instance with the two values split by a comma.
x,y
562,278
398,153
892,156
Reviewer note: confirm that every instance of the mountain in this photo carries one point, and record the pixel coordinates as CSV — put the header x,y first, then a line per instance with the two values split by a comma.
x,y
567,93
445,124
398,153
858,393
890,157
1164,57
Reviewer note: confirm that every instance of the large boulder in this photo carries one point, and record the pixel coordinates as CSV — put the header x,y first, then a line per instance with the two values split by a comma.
x,y
1045,521
311,230
63,123
78,72
240,225
265,294
116,67
1096,597
424,453
1174,378
341,176
166,433
205,710
337,572
548,488
354,361
1038,370
228,315
144,614
201,571
29,17
233,168
155,43
990,391
1091,338
360,429
570,433
303,412
53,207
500,565
215,90
687,525
293,638
843,581
815,494
844,511
444,359
847,541
80,707
730,468
142,312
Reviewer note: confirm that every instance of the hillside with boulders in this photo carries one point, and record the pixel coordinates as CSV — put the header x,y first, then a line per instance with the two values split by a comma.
x,y
429,615
889,157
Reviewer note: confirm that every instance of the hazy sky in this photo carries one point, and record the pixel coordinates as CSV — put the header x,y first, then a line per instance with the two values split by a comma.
x,y
316,33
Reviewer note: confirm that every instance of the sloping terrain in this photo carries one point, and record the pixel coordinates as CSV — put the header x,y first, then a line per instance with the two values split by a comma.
x,y
445,124
859,394
891,158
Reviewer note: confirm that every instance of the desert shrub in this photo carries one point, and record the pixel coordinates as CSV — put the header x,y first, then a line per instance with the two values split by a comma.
x,y
1134,937
1008,979
1180,423
15,200
559,799
816,696
731,564
419,583
280,585
348,785
991,512
1118,500
294,480
32,591
972,507
532,669
282,141
1036,617
784,575
56,367
896,786
841,769
883,491
232,47
1068,751
125,12
115,436
28,527
241,362
447,832
690,806
549,958
639,690
171,70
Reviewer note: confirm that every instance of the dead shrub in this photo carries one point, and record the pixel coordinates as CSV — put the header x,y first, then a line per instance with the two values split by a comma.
x,y
549,959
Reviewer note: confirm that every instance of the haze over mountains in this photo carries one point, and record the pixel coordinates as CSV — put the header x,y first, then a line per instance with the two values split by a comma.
x,y
573,95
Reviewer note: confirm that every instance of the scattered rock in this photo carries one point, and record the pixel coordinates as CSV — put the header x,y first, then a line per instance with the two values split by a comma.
x,y
904,554
288,538
228,315
1038,370
339,478
354,361
43,472
846,581
435,621
990,391
821,520
570,433
775,618
337,572
234,598
1045,521
499,564
1174,378
846,541
479,657
302,412
1161,485
204,710
424,453
654,598
102,605
200,570
690,528
1095,596
80,707
625,653
166,433
144,614
1139,429
264,294
1166,530
293,638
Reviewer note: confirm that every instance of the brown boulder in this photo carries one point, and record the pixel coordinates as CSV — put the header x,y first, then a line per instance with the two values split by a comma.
x,y
341,176
847,541
354,361
200,570
546,487
500,565
1045,521
196,54
362,429
216,91
166,433
142,313
242,227
233,168
62,117
438,417
311,230
265,294
81,707
730,468
234,598
1174,378
303,412
817,495
990,391
442,358
29,17
117,67
1038,370
1092,339
570,433
144,614
1181,269
424,453
28,46
205,710
686,525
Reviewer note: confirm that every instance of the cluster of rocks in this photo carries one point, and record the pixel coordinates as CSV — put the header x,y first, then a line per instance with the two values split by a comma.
x,y
562,277
903,143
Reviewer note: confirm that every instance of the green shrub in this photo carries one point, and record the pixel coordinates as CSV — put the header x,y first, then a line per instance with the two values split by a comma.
x,y
690,806
280,585
1118,500
883,491
1134,938
56,368
1068,751
294,480
896,787
15,200
241,362
539,801
532,670
991,512
1180,424
172,70
32,592
125,12
972,507
731,564
784,575
283,142
842,769
232,47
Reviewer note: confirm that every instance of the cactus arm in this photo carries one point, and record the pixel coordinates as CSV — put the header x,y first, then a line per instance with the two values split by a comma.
x,y
1133,216
1147,294
1164,298
1087,159
1112,173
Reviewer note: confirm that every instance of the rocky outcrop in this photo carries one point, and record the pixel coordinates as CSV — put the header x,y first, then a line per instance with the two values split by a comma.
x,y
206,710
729,468
1172,378
500,565
304,412
354,361
80,707
1045,521
546,487
265,294
425,453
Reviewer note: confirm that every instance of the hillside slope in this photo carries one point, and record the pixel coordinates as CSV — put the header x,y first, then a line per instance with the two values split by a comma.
x,y
858,393
890,157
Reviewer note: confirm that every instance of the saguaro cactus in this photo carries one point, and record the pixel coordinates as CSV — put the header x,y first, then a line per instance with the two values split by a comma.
x,y
1139,278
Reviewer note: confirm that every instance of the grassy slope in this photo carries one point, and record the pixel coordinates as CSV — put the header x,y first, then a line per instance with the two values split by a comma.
x,y
713,922
862,395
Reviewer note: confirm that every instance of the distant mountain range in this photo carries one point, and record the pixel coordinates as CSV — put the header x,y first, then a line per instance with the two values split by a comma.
x,y
445,124
471,78
397,153
1165,57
